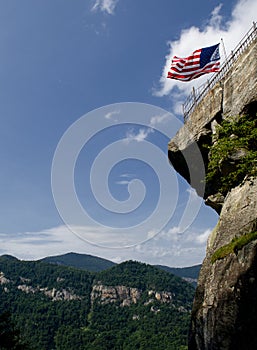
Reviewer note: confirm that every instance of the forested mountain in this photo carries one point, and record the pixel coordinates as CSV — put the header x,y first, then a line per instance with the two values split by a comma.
x,y
80,261
128,306
97,264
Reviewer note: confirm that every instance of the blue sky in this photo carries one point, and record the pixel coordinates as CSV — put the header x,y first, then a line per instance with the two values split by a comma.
x,y
72,66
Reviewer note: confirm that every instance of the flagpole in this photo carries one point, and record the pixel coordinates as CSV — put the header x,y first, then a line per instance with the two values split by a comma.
x,y
223,48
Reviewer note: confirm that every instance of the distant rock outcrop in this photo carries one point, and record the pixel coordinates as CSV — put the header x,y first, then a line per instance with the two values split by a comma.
x,y
3,279
53,293
111,294
126,296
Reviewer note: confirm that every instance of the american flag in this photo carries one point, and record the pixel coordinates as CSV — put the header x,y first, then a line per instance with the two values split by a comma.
x,y
202,61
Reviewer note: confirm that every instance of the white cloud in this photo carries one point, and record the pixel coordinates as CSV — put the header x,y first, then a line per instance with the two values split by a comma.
x,y
127,175
171,254
202,238
143,133
56,240
242,17
110,115
122,182
193,237
170,247
216,17
107,6
159,119
151,234
173,234
175,246
139,136
117,259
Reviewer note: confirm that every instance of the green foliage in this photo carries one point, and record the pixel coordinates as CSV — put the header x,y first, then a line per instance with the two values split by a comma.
x,y
35,314
240,133
115,328
234,246
10,337
76,324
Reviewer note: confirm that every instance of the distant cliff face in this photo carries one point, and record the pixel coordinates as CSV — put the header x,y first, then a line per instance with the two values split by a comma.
x,y
224,313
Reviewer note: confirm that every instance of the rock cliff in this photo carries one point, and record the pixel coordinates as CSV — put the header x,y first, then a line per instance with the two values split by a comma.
x,y
126,296
224,314
111,294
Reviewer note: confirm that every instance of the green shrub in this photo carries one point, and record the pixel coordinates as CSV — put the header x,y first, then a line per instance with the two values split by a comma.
x,y
241,133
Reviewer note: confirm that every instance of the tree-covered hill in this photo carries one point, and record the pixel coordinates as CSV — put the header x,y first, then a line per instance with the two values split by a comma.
x,y
80,261
97,264
146,277
128,306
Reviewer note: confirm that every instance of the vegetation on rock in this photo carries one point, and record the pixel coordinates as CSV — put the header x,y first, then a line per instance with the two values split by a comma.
x,y
234,246
233,154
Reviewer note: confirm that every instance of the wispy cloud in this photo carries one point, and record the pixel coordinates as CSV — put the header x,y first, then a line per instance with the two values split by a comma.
x,y
127,175
143,133
111,115
180,248
159,119
232,31
107,6
169,247
195,237
202,238
138,136
60,239
122,182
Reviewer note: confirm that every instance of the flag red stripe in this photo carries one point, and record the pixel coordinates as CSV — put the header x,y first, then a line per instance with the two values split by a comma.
x,y
191,67
211,69
189,75
187,64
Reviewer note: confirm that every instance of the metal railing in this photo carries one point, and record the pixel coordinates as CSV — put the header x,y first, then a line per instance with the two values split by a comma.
x,y
197,94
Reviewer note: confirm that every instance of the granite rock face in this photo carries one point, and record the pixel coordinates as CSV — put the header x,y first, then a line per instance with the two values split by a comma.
x,y
225,308
224,315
